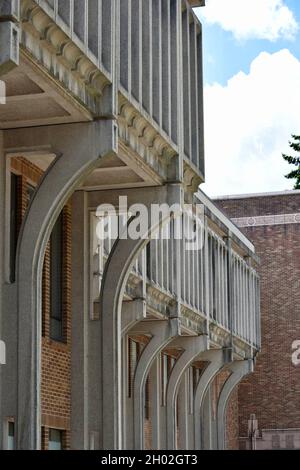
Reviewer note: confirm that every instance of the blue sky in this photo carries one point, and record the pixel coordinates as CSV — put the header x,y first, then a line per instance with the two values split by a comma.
x,y
224,56
252,92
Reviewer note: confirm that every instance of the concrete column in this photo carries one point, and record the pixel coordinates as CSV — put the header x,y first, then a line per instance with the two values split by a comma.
x,y
155,394
2,217
79,148
183,412
86,350
79,369
8,303
193,346
117,269
217,359
207,425
239,369
133,311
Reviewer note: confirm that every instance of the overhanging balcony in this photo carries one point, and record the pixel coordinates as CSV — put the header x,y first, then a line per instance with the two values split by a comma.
x,y
213,287
139,61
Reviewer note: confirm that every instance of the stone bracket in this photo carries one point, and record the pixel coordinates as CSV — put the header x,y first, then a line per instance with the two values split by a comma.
x,y
9,55
133,311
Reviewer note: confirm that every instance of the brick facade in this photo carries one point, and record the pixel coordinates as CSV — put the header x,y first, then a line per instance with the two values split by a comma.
x,y
272,391
56,356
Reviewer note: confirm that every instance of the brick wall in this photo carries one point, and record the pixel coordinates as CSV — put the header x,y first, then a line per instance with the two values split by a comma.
x,y
272,391
56,357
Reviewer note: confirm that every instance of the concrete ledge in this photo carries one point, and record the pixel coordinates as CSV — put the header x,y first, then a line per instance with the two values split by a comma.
x,y
9,54
10,10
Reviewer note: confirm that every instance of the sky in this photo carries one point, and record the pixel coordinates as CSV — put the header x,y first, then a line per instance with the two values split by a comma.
x,y
251,93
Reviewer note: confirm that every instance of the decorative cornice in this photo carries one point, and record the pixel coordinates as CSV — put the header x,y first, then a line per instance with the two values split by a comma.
x,y
191,179
142,137
264,220
192,320
40,33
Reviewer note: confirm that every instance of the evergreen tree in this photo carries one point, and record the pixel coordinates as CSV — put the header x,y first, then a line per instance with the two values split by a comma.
x,y
292,160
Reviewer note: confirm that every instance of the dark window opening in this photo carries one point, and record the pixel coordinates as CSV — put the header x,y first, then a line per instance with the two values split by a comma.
x,y
133,357
55,439
147,399
14,217
11,435
56,281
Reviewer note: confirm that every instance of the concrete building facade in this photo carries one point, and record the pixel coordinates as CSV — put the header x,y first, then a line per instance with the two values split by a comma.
x,y
115,343
268,400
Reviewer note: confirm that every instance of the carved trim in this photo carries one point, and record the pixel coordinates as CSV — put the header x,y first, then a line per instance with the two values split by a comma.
x,y
38,26
259,221
142,137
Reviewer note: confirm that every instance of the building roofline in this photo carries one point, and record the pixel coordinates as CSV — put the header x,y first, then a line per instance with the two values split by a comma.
x,y
288,192
226,221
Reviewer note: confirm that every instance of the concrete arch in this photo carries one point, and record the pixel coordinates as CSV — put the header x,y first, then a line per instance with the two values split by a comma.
x,y
74,160
217,359
239,369
117,269
163,332
193,347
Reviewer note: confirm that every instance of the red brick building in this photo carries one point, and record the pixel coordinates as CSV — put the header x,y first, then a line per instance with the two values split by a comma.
x,y
272,222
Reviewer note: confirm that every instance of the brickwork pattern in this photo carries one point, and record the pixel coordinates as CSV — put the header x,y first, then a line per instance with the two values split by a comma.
x,y
272,391
56,357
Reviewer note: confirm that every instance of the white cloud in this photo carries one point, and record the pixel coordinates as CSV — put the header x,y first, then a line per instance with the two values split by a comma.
x,y
248,124
252,19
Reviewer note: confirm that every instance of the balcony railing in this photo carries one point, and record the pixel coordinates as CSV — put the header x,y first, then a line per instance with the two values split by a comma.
x,y
152,47
215,279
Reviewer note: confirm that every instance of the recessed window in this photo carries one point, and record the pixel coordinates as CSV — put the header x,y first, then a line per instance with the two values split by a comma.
x,y
56,281
10,435
55,439
14,215
133,357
